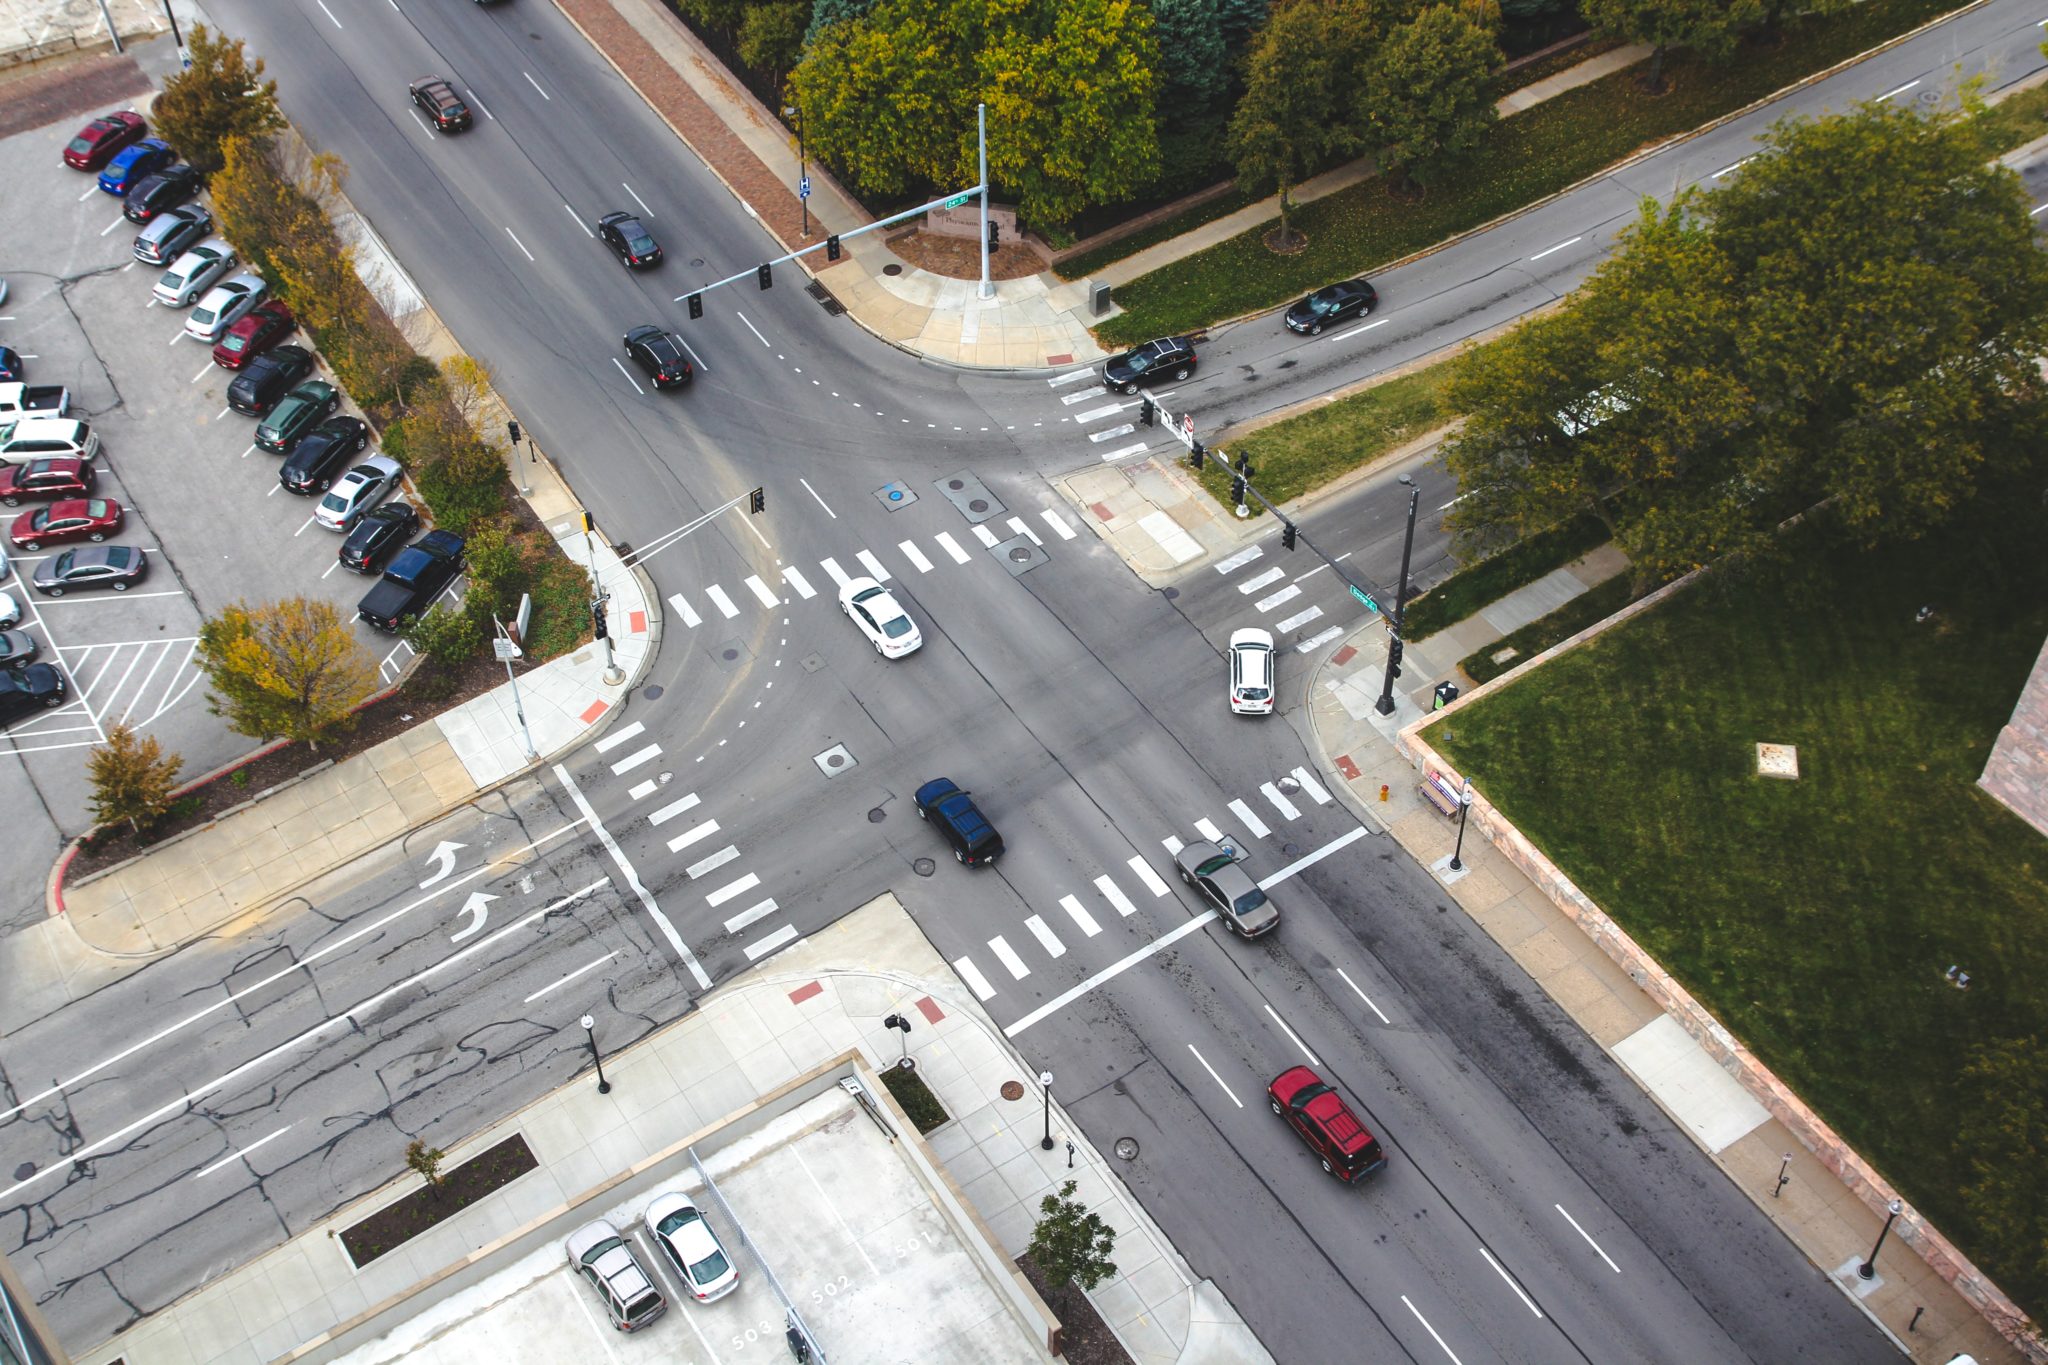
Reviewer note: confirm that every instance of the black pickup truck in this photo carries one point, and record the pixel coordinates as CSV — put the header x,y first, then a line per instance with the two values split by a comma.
x,y
412,582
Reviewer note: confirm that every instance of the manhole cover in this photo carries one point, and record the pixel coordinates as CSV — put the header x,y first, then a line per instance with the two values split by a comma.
x,y
877,816
1290,849
1018,554
835,760
1021,553
924,867
1012,1090
728,654
977,504
1288,785
696,262
652,692
892,269
1127,1148
28,1168
812,662
956,484
894,496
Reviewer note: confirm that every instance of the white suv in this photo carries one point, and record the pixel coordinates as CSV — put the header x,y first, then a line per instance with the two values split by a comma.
x,y
1251,672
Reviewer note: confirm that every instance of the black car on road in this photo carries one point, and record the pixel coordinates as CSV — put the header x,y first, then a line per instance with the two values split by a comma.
x,y
974,840
377,535
438,100
166,189
661,354
321,453
630,240
25,691
268,378
1152,363
1330,305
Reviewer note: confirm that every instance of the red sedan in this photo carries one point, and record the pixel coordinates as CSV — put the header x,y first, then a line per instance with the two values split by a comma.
x,y
72,519
254,333
58,477
97,142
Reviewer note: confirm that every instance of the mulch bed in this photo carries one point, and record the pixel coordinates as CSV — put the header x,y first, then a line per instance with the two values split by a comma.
x,y
429,1205
959,258
1085,1339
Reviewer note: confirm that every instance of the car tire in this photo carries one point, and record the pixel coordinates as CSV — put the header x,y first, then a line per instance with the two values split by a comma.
x,y
29,545
1182,373
118,587
362,441
11,502
53,703
1131,387
1316,330
959,857
97,536
52,591
1328,1167
1276,1108
1184,875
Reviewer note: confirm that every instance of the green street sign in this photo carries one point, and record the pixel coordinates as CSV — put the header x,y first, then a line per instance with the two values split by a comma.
x,y
1362,595
957,201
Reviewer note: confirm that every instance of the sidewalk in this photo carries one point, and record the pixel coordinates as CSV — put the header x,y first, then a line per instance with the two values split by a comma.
x,y
821,997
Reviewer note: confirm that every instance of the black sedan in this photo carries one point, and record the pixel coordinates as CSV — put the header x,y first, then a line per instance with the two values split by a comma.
x,y
24,692
92,566
1332,304
629,240
18,649
321,453
661,354
381,531
168,188
1152,363
268,378
11,368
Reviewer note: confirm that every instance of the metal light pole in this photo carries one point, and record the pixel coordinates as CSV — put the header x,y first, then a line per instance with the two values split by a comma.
x,y
604,1087
988,291
1784,1176
1464,804
1045,1084
508,650
1868,1270
803,165
897,1021
1385,705
613,674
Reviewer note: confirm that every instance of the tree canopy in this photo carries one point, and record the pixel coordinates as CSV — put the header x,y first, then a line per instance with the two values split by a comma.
x,y
284,670
1428,94
1296,113
221,95
1708,27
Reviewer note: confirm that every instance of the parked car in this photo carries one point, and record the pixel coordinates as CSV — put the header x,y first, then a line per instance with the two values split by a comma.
x,y
355,492
11,367
319,455
1228,889
10,611
119,567
974,840
1166,358
48,438
606,1261
18,649
692,1248
1332,304
266,379
415,578
223,305
298,413
170,232
376,534
193,273
25,691
34,480
1251,671
888,627
133,164
18,400
1319,1114
443,107
166,189
255,332
91,519
97,141
661,354
629,239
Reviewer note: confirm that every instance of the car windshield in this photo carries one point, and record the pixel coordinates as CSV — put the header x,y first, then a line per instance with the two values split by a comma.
x,y
1322,301
896,627
334,502
1139,361
1248,902
711,1268
591,1256
81,145
1215,864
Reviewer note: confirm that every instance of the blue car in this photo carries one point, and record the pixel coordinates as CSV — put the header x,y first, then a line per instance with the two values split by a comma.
x,y
131,164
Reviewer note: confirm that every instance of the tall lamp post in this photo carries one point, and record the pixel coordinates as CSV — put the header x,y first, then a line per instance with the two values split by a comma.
x,y
897,1021
1045,1084
803,166
1385,705
1464,804
604,1087
1868,1270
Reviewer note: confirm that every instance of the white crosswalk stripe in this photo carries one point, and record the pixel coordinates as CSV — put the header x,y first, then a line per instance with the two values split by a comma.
x,y
1138,449
1250,818
1317,792
712,863
1207,830
1018,525
976,982
839,575
1069,377
986,537
1298,620
690,618
618,737
763,591
872,565
1240,559
1097,414
731,889
635,759
1153,881
756,951
1058,524
753,914
951,547
1079,914
1047,939
1318,640
1007,955
1111,433
691,836
640,790
796,580
1286,594
915,556
1173,844
1280,803
1114,894
721,601
1252,585
1093,395
672,809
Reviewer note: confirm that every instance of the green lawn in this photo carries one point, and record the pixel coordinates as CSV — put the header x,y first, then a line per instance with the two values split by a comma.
x,y
1816,918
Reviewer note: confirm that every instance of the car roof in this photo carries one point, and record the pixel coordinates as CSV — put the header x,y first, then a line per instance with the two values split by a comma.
x,y
1251,637
374,466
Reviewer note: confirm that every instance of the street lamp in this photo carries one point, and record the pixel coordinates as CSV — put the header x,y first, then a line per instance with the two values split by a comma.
x,y
604,1087
803,170
898,1021
1045,1084
1868,1270
1385,705
1464,804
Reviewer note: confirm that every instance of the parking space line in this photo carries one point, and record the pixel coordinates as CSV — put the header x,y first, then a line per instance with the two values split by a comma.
x,y
515,237
209,369
69,601
308,522
147,678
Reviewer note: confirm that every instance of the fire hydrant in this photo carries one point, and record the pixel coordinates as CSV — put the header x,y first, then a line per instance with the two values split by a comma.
x,y
1383,791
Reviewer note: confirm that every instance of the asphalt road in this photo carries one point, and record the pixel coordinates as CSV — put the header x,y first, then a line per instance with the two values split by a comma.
x,y
1537,1206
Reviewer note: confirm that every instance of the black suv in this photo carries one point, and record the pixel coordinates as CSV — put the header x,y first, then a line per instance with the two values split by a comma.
x,y
1166,358
660,354
25,691
321,453
974,840
167,189
268,378
380,531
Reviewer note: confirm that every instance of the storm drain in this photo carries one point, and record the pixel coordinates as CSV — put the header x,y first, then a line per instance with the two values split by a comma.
x,y
894,496
971,496
833,307
834,761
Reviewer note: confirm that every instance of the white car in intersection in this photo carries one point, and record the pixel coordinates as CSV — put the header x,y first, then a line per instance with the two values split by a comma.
x,y
888,627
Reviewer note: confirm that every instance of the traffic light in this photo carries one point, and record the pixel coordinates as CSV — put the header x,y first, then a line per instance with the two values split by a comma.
x,y
757,501
765,276
597,622
1287,537
1237,489
1195,456
1148,411
995,234
697,304
512,429
1394,657
832,247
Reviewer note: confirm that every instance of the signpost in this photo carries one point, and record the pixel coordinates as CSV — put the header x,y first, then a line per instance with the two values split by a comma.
x,y
803,188
1362,595
957,201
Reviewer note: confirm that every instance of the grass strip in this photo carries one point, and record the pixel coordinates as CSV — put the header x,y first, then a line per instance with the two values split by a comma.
x,y
1595,604
1488,580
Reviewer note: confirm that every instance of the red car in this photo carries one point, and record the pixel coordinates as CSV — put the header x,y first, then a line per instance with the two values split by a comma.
x,y
97,142
1326,1124
255,332
71,519
39,479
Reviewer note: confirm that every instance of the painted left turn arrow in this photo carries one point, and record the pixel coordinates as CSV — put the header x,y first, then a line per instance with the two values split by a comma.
x,y
444,854
476,906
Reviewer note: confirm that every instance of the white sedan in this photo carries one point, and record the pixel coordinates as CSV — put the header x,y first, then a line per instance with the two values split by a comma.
x,y
692,1248
887,626
223,306
356,492
194,272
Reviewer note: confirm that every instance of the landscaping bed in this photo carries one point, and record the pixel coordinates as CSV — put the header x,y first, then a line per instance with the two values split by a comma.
x,y
917,1099
1486,581
1085,1339
424,1208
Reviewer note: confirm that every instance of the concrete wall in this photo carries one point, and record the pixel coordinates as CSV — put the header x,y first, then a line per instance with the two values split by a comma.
x,y
2017,773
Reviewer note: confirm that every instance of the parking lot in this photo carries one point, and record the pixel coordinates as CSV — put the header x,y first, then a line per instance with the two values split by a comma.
x,y
201,499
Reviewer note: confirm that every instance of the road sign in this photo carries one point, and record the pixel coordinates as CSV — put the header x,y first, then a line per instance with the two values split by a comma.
x,y
1187,423
803,188
1362,595
505,650
957,201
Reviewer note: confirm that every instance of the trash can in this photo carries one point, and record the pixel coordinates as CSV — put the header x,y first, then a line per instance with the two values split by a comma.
x,y
1446,693
1098,299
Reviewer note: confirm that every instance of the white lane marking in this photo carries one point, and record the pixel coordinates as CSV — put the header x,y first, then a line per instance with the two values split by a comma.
x,y
1559,247
1069,377
69,601
1114,894
328,12
1173,845
976,982
1432,1331
672,810
516,242
712,863
1316,791
951,547
731,889
683,609
638,200
1240,559
1111,433
1900,91
629,376
1356,330
2035,213
752,328
235,1156
1589,1239
1058,524
695,359
1280,803
1286,594
692,835
1313,1060
814,492
1251,819
466,89
1067,997
536,85
1734,166
1021,528
751,915
1153,881
1298,620
565,980
1303,864
1318,640
1511,1282
1008,957
762,591
1079,914
1207,830
914,555
796,580
986,537
640,791
1139,449
1216,1078
872,565
1093,413
635,759
578,219
1047,939
1085,396
1363,996
1254,583
640,891
839,575
618,737
757,951
721,601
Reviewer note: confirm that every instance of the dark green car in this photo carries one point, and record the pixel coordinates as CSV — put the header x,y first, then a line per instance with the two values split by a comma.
x,y
297,413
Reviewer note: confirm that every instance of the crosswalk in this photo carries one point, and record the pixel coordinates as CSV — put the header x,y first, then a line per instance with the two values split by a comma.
x,y
1282,606
1108,419
1117,896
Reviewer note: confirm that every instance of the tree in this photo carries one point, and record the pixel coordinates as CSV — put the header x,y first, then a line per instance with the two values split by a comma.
x,y
2004,1139
426,1162
1428,96
288,669
882,97
772,36
1194,74
132,778
221,95
1070,1245
1708,27
1293,116
825,13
